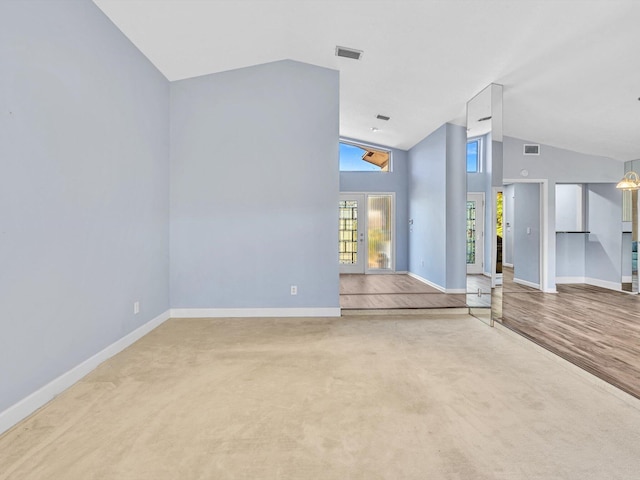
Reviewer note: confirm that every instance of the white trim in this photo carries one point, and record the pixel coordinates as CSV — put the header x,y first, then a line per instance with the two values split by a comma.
x,y
365,234
359,267
526,283
431,284
564,280
596,282
544,228
25,407
253,312
422,312
505,264
591,281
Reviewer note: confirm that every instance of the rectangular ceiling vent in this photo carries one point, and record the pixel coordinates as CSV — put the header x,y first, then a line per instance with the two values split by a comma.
x,y
530,149
383,117
349,53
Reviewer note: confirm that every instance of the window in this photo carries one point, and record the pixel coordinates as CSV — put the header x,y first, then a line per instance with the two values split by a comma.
x,y
473,156
362,158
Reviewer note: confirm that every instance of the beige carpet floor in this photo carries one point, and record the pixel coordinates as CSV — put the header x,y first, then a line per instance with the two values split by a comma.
x,y
345,398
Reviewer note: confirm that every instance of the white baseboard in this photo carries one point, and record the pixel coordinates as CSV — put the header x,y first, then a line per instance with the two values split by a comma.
x,y
591,281
563,280
25,407
427,282
505,264
253,312
526,283
603,284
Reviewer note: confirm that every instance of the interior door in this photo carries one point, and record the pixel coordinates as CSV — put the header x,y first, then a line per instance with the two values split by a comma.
x,y
475,232
351,244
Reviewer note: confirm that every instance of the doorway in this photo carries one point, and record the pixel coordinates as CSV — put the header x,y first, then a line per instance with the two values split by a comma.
x,y
366,233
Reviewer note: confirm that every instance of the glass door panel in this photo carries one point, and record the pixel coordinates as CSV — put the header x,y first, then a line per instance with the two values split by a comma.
x,y
379,232
350,234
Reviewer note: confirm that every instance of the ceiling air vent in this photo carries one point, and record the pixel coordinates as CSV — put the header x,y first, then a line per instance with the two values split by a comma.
x,y
349,53
532,149
383,117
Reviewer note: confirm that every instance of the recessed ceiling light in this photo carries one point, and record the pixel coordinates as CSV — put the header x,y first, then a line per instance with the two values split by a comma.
x,y
351,53
383,117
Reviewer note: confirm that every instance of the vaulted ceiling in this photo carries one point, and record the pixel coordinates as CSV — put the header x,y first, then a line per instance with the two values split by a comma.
x,y
570,68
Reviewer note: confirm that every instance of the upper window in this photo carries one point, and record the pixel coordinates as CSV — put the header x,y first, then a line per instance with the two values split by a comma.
x,y
362,158
473,156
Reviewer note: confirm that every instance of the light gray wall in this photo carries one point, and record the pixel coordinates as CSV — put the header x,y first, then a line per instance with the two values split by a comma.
x,y
84,190
437,205
526,231
427,197
570,255
557,166
254,188
394,181
604,242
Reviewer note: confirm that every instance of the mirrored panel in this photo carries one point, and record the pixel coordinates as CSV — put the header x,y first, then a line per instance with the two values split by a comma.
x,y
629,266
484,199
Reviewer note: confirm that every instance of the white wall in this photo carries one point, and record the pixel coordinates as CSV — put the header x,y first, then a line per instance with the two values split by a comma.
x,y
254,189
84,190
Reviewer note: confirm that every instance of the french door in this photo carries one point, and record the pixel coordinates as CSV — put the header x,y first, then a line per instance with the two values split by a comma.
x,y
475,232
366,232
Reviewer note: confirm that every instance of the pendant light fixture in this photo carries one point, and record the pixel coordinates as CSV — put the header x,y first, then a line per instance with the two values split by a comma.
x,y
630,181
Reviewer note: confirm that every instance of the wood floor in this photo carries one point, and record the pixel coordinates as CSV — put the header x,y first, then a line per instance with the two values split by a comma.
x,y
594,328
374,292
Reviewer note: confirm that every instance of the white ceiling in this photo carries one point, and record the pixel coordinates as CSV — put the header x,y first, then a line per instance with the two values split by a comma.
x,y
570,68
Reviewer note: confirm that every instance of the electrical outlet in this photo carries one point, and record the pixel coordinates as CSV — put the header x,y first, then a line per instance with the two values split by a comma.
x,y
136,308
294,289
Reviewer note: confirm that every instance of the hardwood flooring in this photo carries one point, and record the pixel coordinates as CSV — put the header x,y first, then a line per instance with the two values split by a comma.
x,y
594,328
364,292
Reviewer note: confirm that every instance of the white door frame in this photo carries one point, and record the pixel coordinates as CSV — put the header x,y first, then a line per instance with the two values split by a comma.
x,y
545,284
359,266
363,228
